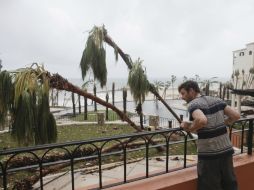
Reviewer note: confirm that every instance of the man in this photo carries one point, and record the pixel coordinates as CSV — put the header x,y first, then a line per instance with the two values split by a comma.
x,y
215,165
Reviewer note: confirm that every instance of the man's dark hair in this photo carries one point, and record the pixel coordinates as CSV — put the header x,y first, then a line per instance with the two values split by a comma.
x,y
188,85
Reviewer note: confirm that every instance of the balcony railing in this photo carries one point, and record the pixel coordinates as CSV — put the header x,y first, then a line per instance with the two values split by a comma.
x,y
160,139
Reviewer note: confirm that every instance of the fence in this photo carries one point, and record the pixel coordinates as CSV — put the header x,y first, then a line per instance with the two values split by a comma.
x,y
96,149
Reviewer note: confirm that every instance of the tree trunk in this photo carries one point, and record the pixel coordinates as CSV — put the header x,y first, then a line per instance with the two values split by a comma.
x,y
124,99
85,108
58,82
207,89
141,117
94,92
73,104
227,93
107,107
113,93
52,97
224,93
128,62
57,96
220,94
79,105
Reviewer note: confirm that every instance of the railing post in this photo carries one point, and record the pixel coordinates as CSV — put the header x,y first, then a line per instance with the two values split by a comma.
x,y
72,173
147,159
41,177
250,137
100,170
5,178
242,138
185,151
125,164
181,117
167,154
170,124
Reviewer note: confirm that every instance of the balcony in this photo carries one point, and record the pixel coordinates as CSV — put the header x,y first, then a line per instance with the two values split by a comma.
x,y
160,143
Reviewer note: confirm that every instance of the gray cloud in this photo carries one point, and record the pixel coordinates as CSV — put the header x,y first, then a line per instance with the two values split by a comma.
x,y
172,37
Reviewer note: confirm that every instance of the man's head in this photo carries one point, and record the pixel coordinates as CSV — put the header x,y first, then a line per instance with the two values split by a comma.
x,y
189,90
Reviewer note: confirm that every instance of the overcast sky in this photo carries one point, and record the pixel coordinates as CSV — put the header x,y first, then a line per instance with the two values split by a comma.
x,y
180,37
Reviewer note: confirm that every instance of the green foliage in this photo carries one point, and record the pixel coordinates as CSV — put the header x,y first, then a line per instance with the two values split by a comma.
x,y
6,95
138,83
94,55
32,121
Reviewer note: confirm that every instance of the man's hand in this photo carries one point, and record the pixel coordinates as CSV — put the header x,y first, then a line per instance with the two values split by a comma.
x,y
186,126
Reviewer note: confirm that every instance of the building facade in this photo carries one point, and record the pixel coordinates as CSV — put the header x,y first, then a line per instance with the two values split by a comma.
x,y
243,67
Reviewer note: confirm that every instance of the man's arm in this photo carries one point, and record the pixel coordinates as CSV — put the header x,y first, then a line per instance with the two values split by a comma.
x,y
232,114
199,121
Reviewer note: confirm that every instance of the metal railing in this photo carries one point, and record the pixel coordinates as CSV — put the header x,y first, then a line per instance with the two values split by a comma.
x,y
98,151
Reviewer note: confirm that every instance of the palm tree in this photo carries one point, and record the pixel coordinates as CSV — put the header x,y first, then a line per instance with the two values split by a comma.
x,y
94,92
237,77
58,82
84,87
1,65
124,99
73,104
94,57
25,95
185,78
243,81
228,85
197,78
167,84
158,86
113,93
107,97
173,79
139,87
250,77
207,83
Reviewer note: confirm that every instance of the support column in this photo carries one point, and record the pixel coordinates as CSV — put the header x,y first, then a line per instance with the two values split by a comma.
x,y
233,100
239,103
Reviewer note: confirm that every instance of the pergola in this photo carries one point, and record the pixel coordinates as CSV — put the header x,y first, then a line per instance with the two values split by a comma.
x,y
239,93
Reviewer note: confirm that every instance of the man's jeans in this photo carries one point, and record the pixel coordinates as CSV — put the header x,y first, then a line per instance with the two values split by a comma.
x,y
216,174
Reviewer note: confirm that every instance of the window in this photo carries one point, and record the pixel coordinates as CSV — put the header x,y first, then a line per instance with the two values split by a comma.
x,y
250,52
241,54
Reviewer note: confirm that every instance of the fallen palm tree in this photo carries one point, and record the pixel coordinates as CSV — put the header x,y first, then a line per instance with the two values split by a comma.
x,y
94,58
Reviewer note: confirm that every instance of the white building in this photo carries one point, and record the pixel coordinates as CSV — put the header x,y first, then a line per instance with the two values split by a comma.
x,y
243,61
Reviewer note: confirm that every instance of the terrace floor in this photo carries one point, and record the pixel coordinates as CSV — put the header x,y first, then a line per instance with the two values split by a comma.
x,y
112,173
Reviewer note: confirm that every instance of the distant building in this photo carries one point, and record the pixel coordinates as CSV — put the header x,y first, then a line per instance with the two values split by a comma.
x,y
243,66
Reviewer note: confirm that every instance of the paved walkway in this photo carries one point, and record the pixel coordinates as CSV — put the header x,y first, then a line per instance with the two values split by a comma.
x,y
62,181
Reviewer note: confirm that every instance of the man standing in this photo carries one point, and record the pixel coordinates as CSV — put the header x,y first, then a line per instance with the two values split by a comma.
x,y
215,164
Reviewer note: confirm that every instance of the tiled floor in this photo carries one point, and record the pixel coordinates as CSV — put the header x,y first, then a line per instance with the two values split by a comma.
x,y
63,181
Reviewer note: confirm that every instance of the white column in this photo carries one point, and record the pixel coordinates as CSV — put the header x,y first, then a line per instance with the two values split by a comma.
x,y
233,100
239,103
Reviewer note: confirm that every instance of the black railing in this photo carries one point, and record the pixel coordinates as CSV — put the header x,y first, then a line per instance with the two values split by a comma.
x,y
97,150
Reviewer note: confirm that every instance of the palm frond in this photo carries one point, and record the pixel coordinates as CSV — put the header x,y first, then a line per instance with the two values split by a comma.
x,y
94,55
6,95
138,82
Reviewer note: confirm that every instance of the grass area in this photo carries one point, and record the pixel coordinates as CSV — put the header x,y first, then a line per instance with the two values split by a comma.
x,y
74,133
92,116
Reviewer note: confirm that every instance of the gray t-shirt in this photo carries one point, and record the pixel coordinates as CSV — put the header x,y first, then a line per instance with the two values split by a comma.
x,y
213,139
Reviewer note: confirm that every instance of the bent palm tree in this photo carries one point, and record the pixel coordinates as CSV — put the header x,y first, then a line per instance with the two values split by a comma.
x,y
58,82
26,97
94,56
139,87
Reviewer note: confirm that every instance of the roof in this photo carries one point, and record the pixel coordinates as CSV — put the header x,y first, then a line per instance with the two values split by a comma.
x,y
246,92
